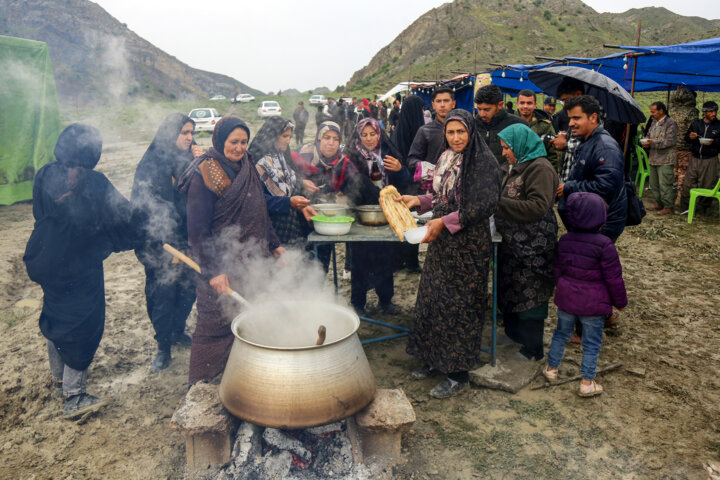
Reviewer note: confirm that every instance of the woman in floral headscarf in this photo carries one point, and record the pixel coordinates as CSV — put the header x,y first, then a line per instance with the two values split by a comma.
x,y
526,220
452,295
288,206
376,159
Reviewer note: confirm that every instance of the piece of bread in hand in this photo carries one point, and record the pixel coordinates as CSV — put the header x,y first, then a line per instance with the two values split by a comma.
x,y
397,213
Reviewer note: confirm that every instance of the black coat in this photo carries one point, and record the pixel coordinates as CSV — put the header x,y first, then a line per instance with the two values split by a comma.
x,y
489,131
78,223
711,130
599,169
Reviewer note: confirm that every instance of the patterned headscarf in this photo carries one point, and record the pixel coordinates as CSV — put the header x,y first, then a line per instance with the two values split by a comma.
x,y
524,143
311,151
276,168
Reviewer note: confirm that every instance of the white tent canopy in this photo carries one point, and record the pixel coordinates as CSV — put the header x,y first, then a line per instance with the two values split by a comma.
x,y
402,87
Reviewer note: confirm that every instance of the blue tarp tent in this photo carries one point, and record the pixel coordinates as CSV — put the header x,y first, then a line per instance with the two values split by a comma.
x,y
462,85
695,65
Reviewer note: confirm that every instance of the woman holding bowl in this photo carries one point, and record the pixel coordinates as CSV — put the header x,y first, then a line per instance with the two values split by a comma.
x,y
228,222
289,209
452,295
526,220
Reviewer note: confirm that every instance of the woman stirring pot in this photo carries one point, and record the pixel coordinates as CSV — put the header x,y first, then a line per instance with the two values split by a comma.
x,y
228,222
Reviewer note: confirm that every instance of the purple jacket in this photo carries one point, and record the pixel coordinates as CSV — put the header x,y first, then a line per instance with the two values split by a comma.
x,y
587,265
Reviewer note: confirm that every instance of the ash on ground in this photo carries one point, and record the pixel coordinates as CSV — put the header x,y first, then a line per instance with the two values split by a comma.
x,y
316,453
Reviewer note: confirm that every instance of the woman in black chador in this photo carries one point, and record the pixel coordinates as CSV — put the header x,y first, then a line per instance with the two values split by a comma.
x,y
169,287
80,218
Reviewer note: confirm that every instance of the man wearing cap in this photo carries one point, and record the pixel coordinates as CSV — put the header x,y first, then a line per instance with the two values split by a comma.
x,y
702,170
492,118
549,106
300,116
539,122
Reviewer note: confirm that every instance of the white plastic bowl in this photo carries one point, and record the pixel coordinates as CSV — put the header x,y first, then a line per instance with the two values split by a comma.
x,y
705,140
644,142
332,228
416,235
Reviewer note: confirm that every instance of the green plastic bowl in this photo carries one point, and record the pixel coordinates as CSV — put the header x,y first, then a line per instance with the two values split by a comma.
x,y
333,219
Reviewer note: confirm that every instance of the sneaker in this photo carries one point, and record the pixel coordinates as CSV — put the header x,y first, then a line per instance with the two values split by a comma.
x,y
551,374
79,405
590,390
426,371
576,339
360,311
181,338
447,388
389,308
665,211
161,362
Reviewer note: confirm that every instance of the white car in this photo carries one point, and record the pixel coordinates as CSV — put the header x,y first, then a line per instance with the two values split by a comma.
x,y
316,100
204,118
243,98
269,108
218,97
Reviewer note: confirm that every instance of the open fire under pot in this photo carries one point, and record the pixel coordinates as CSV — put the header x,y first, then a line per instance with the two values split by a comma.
x,y
303,402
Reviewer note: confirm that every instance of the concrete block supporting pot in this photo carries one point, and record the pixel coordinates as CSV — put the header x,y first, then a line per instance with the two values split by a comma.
x,y
207,428
381,425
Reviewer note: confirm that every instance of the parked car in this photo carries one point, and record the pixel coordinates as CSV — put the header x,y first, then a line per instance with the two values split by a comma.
x,y
317,100
269,108
204,118
218,97
243,98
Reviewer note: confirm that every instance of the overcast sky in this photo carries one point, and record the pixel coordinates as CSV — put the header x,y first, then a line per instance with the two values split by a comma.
x,y
281,44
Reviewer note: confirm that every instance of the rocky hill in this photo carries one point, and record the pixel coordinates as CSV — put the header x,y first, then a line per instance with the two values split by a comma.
x,y
445,40
97,59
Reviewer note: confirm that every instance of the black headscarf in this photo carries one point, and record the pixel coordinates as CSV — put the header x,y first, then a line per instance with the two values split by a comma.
x,y
79,146
153,188
411,119
223,129
165,140
265,142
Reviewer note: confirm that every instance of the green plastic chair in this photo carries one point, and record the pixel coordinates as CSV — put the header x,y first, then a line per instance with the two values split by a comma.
x,y
702,192
643,170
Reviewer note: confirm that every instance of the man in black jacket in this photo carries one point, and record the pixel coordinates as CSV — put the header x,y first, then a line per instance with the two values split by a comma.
x,y
702,170
429,139
492,118
598,167
394,115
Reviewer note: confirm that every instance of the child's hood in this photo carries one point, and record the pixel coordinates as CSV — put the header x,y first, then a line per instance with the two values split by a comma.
x,y
585,211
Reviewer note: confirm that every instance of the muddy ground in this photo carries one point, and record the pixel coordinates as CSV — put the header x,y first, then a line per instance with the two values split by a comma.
x,y
660,426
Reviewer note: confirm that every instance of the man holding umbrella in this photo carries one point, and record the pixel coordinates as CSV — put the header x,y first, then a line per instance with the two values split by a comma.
x,y
599,164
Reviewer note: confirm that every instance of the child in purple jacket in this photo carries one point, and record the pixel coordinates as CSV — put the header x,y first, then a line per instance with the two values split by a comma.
x,y
589,284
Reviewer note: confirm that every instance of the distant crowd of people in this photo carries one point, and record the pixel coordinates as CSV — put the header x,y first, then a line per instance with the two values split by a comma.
x,y
246,198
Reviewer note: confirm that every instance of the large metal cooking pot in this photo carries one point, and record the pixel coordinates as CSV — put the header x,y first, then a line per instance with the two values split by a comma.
x,y
371,215
277,376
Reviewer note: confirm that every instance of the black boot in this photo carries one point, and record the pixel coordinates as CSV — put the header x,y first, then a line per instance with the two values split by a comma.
x,y
181,338
162,360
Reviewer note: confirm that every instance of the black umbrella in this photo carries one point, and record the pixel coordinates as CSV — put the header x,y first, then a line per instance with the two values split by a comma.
x,y
615,100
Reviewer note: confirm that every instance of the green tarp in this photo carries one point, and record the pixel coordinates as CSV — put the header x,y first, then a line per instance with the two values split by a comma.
x,y
29,115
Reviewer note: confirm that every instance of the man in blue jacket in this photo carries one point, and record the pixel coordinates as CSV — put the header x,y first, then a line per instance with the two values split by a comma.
x,y
598,167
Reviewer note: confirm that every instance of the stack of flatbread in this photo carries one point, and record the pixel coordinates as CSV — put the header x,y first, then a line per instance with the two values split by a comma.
x,y
397,213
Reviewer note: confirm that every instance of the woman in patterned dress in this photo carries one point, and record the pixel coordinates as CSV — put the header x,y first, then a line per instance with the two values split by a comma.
x,y
452,296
